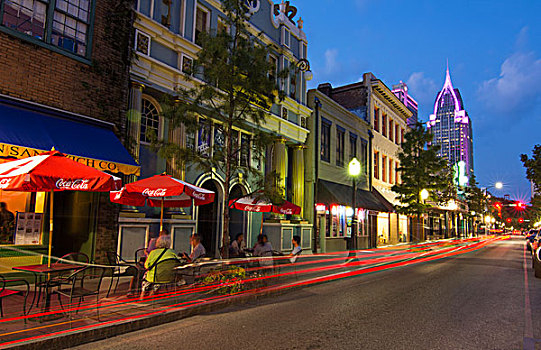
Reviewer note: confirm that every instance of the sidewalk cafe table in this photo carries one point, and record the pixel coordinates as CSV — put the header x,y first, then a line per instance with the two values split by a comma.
x,y
42,273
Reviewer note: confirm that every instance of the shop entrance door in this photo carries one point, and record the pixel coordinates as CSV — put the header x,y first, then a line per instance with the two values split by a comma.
x,y
207,220
74,223
237,218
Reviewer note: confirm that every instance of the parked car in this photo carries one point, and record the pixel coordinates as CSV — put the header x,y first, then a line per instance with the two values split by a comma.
x,y
530,238
537,262
536,241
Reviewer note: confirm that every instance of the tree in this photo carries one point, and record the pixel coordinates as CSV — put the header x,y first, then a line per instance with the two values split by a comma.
x,y
533,173
421,169
236,89
475,198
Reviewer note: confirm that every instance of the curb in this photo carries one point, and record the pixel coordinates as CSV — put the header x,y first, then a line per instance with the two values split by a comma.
x,y
111,330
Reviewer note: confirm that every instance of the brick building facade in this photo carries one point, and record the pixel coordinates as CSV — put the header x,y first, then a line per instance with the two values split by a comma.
x,y
79,73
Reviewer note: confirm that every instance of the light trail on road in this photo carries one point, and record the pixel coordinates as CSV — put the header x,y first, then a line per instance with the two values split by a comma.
x,y
308,270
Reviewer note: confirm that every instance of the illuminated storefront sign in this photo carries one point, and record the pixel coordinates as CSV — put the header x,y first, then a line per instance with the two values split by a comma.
x,y
19,152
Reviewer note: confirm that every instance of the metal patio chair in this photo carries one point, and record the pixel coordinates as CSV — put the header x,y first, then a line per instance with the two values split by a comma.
x,y
119,268
61,278
83,283
165,275
4,293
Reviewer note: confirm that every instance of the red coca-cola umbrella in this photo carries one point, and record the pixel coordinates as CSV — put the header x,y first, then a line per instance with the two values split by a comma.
x,y
261,205
50,172
162,191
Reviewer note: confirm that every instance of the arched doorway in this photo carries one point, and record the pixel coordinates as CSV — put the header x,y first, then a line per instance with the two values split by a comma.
x,y
238,219
207,220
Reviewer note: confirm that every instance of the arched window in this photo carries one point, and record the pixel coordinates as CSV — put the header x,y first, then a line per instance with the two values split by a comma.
x,y
150,121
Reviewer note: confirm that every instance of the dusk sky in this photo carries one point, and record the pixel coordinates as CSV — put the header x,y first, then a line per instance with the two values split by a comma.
x,y
494,53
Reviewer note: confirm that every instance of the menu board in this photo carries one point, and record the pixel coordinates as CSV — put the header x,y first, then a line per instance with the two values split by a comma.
x,y
28,228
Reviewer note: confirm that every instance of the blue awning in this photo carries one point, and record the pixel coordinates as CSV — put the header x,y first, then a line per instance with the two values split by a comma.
x,y
27,130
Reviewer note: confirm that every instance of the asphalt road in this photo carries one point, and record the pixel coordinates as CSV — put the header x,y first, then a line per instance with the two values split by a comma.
x,y
474,301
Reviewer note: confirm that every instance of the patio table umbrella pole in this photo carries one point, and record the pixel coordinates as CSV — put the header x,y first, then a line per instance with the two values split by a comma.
x,y
161,216
50,228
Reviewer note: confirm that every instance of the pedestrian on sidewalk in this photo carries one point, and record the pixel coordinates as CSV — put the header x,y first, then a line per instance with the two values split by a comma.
x,y
297,250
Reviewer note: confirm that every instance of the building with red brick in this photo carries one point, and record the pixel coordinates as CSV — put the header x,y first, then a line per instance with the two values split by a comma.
x,y
64,83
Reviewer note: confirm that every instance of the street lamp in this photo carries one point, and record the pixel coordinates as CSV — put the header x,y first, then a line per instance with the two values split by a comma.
x,y
498,185
424,195
354,170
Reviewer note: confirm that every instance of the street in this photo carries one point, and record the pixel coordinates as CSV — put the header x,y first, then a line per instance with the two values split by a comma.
x,y
473,301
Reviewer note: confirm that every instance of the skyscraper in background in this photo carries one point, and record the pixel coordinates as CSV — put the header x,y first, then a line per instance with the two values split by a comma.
x,y
401,91
452,129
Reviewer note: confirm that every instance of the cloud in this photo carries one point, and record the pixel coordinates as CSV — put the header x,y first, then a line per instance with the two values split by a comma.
x,y
422,88
331,63
516,89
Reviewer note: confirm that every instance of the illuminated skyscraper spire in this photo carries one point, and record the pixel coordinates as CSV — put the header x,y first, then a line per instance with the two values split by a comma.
x,y
451,127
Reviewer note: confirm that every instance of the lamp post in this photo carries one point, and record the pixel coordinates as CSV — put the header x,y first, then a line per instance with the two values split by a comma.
x,y
354,169
424,196
497,185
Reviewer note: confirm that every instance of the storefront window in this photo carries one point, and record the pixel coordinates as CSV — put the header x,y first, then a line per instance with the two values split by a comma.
x,y
341,221
21,217
150,121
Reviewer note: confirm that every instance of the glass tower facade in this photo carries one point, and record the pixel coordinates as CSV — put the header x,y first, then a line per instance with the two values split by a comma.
x,y
452,129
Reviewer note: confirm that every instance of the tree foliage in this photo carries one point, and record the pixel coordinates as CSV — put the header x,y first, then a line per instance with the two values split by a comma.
x,y
533,173
533,166
475,198
421,168
235,88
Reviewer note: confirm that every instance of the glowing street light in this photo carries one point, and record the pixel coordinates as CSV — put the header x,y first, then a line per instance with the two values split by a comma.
x,y
424,195
498,185
354,167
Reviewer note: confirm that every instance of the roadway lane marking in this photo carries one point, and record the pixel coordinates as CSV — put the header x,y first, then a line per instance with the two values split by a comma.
x,y
528,343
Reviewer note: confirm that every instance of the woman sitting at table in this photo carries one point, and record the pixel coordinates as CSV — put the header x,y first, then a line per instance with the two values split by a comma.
x,y
161,253
263,248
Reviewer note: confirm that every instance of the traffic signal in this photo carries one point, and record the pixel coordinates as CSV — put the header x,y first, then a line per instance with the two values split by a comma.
x,y
498,205
520,220
508,220
520,206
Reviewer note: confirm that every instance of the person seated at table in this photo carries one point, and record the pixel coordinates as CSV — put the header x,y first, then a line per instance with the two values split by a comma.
x,y
161,253
263,248
296,241
152,242
198,251
236,248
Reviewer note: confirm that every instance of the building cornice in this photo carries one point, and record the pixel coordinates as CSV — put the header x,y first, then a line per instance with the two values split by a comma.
x,y
390,98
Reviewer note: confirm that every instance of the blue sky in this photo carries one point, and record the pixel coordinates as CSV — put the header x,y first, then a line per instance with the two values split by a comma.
x,y
494,52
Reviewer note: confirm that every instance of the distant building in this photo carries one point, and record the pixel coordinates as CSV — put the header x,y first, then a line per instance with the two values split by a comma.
x,y
452,129
401,91
371,100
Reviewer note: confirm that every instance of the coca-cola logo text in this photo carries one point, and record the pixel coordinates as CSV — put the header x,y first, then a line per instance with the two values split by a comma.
x,y
200,196
159,192
287,211
78,184
4,183
252,208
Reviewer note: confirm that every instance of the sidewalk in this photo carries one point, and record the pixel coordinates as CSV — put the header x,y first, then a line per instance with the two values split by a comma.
x,y
119,314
